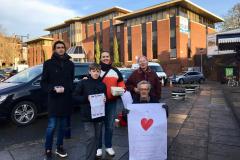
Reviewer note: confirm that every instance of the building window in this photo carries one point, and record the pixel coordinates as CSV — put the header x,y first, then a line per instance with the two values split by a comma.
x,y
166,14
119,42
144,45
95,28
160,15
154,39
189,51
172,12
173,53
86,30
111,37
129,44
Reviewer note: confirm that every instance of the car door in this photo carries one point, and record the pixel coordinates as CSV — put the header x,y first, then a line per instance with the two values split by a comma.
x,y
187,77
38,95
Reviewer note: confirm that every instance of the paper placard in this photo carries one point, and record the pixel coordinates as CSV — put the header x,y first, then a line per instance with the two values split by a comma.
x,y
147,131
97,105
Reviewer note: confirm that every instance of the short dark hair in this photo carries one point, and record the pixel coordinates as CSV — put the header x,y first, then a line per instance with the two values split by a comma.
x,y
94,66
58,42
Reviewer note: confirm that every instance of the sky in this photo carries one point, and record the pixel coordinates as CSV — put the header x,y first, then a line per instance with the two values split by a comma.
x,y
22,17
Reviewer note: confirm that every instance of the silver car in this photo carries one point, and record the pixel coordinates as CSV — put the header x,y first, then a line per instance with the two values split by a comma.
x,y
188,77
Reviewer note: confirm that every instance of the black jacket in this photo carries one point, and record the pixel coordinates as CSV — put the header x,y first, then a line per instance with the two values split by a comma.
x,y
83,90
58,71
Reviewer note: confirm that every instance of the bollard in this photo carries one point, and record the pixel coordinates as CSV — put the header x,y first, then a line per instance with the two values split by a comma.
x,y
170,83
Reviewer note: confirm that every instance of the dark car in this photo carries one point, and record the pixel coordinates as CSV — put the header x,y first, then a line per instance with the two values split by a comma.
x,y
126,72
188,77
2,77
21,97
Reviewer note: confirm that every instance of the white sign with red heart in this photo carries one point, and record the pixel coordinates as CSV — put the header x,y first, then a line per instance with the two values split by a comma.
x,y
147,131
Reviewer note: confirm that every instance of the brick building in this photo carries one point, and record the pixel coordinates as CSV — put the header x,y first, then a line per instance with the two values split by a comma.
x,y
172,33
39,50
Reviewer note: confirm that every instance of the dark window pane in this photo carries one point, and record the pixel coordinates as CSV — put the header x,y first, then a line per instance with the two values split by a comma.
x,y
86,30
154,39
144,47
129,44
173,53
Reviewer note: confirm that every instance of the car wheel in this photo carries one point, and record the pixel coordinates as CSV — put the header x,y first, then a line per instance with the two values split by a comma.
x,y
200,81
24,113
181,81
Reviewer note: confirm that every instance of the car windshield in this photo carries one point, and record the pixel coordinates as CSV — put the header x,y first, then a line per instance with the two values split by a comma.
x,y
156,68
26,75
126,73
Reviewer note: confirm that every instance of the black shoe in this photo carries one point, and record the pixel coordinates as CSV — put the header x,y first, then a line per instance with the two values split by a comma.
x,y
61,152
48,155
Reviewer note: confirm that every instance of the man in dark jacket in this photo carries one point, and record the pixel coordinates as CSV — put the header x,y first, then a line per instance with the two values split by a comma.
x,y
92,126
57,82
144,73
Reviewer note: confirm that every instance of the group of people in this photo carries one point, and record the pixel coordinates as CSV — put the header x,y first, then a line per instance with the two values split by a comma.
x,y
57,82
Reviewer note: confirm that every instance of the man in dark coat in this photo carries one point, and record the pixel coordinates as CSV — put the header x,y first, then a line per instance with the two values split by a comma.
x,y
144,73
57,82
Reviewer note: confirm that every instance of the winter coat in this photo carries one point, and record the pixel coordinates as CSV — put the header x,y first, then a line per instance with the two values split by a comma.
x,y
82,91
58,71
150,76
113,78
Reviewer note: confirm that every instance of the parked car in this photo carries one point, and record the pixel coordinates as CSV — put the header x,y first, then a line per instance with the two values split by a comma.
x,y
2,77
188,77
21,97
2,72
7,71
126,72
155,67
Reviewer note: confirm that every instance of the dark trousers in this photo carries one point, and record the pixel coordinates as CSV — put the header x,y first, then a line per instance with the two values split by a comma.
x,y
68,128
92,131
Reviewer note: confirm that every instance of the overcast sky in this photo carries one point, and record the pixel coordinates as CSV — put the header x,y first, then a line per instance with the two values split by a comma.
x,y
24,17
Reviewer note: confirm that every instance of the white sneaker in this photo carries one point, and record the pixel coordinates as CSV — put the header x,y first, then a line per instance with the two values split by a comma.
x,y
110,151
99,153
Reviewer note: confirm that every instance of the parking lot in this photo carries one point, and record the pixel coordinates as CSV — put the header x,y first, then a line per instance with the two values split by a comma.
x,y
201,127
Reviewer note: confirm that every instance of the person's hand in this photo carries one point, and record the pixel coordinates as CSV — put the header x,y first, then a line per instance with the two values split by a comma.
x,y
166,109
136,90
85,78
59,89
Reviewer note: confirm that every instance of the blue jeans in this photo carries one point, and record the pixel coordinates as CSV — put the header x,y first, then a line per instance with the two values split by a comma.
x,y
53,123
110,114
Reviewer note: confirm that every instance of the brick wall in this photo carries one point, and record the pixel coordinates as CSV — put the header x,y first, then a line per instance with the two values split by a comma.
x,y
136,42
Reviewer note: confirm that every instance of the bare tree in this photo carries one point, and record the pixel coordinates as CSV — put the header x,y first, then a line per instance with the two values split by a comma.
x,y
10,49
232,19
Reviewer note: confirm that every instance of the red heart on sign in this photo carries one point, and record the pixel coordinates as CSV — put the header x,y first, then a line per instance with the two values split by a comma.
x,y
146,123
